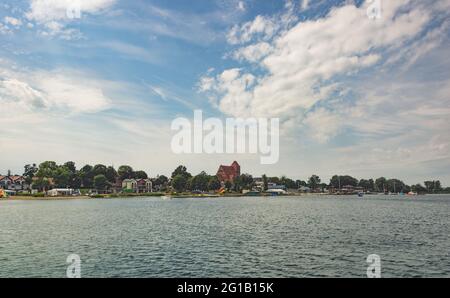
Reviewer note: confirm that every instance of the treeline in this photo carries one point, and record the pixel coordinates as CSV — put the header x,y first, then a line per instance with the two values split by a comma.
x,y
381,184
50,174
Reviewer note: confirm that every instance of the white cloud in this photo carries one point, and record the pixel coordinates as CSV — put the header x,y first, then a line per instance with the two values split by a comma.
x,y
44,11
323,124
241,6
52,92
300,61
12,21
55,15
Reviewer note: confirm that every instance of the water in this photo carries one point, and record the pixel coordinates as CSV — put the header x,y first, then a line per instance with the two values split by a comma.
x,y
227,237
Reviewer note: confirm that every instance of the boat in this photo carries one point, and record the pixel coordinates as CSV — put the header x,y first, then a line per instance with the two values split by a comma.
x,y
360,194
3,194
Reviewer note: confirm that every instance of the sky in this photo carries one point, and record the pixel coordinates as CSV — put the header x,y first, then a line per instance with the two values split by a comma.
x,y
356,93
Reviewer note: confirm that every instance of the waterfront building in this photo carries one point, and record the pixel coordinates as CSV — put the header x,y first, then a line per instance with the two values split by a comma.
x,y
13,183
137,185
60,192
228,173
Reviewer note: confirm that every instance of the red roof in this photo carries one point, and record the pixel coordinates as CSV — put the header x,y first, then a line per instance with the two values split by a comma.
x,y
228,173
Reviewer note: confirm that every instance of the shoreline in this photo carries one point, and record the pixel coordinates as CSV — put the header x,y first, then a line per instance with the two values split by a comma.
x,y
172,196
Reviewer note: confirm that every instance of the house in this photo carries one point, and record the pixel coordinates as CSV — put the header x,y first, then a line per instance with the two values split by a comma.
x,y
13,183
228,173
137,185
304,189
275,186
60,192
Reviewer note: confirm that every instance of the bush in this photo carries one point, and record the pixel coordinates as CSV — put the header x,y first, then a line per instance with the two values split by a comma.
x,y
39,195
98,196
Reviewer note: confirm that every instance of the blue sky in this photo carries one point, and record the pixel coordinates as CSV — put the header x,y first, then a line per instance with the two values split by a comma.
x,y
359,96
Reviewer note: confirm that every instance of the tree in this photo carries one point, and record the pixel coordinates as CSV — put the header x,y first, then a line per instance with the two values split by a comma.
x,y
367,185
381,184
275,180
111,175
418,188
47,169
140,175
289,183
265,182
160,180
200,182
228,185
41,184
70,165
340,181
314,181
29,173
101,182
433,186
74,179
244,181
213,183
181,170
86,175
179,183
301,183
62,177
395,186
125,172
99,170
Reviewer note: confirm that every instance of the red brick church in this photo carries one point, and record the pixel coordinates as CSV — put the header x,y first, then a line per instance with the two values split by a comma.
x,y
228,173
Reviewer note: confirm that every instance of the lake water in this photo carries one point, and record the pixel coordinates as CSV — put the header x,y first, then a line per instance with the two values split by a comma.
x,y
227,237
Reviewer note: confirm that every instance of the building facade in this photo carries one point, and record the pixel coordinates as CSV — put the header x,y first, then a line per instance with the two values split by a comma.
x,y
228,173
137,185
13,183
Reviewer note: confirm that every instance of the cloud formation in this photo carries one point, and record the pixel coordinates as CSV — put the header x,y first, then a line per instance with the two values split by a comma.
x,y
58,92
303,66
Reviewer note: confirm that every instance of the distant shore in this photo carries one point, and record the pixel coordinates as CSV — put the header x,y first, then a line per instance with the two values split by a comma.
x,y
174,196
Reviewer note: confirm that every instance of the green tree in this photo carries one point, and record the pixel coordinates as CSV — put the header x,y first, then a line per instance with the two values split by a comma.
x,y
161,180
101,182
62,177
381,184
47,169
213,183
418,188
140,175
86,176
181,170
395,186
289,183
70,165
29,172
199,182
125,172
41,184
301,183
244,181
433,186
99,170
314,181
179,183
265,182
111,175
228,185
